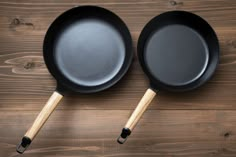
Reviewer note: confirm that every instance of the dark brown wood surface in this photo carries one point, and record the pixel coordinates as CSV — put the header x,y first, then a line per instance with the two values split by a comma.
x,y
198,123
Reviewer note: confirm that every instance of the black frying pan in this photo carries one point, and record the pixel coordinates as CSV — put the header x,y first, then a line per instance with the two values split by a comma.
x,y
87,49
178,51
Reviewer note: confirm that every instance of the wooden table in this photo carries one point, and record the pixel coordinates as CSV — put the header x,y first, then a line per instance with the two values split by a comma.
x,y
198,123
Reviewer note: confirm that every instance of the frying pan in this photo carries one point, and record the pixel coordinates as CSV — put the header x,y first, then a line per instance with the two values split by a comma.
x,y
178,51
87,49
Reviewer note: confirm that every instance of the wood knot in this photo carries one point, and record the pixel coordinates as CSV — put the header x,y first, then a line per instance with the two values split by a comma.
x,y
227,134
173,3
232,43
29,65
222,150
16,21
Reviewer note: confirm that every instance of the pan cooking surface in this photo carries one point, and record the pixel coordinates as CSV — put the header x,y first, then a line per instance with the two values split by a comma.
x,y
89,51
176,55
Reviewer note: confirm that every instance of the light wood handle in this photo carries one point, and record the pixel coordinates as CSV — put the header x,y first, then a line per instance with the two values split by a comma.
x,y
44,115
139,110
39,121
136,115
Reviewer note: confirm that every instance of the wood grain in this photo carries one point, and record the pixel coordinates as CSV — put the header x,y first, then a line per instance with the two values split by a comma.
x,y
197,123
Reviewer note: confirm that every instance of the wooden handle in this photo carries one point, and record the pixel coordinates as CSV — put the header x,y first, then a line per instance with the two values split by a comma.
x,y
139,110
39,121
136,115
44,115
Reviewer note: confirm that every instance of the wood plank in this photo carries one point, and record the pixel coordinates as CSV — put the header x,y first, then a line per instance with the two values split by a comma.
x,y
93,133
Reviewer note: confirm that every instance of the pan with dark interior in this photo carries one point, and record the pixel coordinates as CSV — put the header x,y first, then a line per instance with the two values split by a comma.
x,y
87,49
178,51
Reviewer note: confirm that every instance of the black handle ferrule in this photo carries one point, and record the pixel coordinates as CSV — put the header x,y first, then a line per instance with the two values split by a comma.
x,y
25,142
124,135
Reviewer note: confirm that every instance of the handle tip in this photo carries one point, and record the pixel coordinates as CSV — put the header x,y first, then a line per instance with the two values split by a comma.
x,y
124,135
25,142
